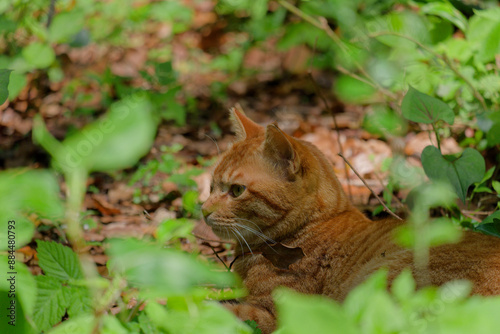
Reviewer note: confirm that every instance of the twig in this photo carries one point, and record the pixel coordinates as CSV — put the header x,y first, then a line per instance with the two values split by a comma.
x,y
443,57
52,10
386,209
481,213
215,253
134,311
466,214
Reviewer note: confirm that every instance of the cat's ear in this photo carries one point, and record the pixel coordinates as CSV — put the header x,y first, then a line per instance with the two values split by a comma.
x,y
244,127
279,149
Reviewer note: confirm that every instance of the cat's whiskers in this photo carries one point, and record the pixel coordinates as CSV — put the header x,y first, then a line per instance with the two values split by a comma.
x,y
244,240
251,222
231,229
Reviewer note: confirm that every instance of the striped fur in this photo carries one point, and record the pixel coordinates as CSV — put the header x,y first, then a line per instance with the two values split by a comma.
x,y
292,196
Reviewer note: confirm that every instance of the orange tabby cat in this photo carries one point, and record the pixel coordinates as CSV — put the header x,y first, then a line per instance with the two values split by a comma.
x,y
270,187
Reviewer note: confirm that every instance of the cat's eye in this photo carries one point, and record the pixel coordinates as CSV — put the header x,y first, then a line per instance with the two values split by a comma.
x,y
236,190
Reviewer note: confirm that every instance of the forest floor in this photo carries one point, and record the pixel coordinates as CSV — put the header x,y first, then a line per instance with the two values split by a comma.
x,y
117,207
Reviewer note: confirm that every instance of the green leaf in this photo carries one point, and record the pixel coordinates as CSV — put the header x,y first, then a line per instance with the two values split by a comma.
x,y
490,225
493,135
114,142
4,84
422,108
482,34
496,186
459,172
384,122
66,25
165,73
58,261
111,325
50,304
84,323
447,12
190,201
25,292
39,55
254,326
17,83
207,318
162,272
23,192
440,231
323,315
403,286
174,228
79,300
353,91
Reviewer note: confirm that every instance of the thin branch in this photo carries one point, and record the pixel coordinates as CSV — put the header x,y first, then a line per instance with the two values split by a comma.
x,y
215,253
386,209
52,11
466,214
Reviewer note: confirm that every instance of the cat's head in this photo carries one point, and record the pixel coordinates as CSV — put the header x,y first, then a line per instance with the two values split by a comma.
x,y
268,185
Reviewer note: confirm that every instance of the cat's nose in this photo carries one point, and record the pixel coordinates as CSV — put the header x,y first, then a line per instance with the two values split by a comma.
x,y
206,211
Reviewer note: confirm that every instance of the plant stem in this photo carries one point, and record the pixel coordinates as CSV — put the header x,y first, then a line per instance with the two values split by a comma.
x,y
437,136
386,209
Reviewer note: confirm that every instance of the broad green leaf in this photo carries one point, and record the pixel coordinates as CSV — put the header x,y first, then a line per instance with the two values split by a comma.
x,y
66,25
354,91
165,73
490,225
16,84
482,34
384,122
113,142
84,323
447,12
111,325
58,261
459,172
146,325
403,286
4,84
438,232
50,304
493,135
422,108
79,299
39,55
22,292
24,192
207,318
323,315
496,186
190,200
174,228
405,23
162,272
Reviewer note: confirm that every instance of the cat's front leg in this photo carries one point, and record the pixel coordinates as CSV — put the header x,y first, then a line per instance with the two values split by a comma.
x,y
257,311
